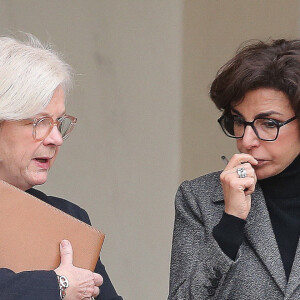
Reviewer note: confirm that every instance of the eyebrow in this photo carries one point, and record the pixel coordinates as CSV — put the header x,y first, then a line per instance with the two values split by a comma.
x,y
45,114
260,115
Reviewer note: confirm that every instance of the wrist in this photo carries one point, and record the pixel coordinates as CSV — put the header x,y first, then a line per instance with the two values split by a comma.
x,y
241,214
63,284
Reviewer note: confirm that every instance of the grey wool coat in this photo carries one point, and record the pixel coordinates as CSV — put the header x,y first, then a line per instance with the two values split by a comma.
x,y
199,268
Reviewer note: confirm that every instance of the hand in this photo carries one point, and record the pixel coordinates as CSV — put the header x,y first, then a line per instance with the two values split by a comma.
x,y
237,191
82,283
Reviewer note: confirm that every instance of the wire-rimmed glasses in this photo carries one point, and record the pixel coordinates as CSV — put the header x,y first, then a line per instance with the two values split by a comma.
x,y
266,129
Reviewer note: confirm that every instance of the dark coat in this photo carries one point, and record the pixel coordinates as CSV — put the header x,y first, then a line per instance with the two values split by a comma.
x,y
42,285
199,268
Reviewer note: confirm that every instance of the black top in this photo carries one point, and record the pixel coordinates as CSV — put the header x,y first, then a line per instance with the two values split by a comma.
x,y
282,194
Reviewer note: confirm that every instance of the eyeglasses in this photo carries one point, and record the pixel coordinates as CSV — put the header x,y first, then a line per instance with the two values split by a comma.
x,y
43,126
266,129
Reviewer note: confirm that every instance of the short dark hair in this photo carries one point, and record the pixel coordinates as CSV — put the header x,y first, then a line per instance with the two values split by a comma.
x,y
274,64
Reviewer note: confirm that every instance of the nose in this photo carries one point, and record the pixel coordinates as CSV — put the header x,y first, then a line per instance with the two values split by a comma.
x,y
54,137
250,139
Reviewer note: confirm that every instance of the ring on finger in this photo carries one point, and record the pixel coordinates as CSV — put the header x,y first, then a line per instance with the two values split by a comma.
x,y
242,173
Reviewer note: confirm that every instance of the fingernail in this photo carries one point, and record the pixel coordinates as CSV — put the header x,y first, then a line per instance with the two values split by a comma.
x,y
64,243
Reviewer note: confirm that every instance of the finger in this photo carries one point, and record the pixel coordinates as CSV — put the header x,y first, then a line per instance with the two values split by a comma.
x,y
96,291
246,184
66,252
230,176
241,158
98,279
250,172
237,183
250,189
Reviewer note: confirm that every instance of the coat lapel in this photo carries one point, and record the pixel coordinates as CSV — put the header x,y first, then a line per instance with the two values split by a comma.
x,y
261,236
294,279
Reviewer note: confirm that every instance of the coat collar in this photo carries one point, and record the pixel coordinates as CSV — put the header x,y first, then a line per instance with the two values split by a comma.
x,y
294,279
263,240
260,234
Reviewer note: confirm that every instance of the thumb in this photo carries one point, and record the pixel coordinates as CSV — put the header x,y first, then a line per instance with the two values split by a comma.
x,y
66,253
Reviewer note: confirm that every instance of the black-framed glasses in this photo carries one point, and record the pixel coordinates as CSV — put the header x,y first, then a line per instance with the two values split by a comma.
x,y
266,129
43,126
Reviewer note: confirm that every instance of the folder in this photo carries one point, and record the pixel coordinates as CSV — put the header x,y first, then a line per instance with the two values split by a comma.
x,y
31,231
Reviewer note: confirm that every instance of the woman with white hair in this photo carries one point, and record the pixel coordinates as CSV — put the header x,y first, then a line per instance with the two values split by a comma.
x,y
33,126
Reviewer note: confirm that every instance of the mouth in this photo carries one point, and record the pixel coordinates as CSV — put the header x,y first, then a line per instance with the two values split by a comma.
x,y
262,161
43,162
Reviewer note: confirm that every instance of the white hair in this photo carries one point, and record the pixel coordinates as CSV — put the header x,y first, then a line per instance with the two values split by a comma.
x,y
29,75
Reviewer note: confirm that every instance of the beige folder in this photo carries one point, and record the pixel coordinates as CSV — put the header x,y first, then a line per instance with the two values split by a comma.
x,y
31,230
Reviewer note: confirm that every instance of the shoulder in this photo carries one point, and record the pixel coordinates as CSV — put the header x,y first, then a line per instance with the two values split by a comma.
x,y
61,204
206,184
200,193
210,179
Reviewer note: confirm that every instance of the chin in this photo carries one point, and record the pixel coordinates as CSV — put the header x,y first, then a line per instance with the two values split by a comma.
x,y
38,180
263,174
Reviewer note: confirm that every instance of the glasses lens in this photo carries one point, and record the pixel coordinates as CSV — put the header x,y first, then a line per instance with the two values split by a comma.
x,y
233,126
42,128
267,129
65,126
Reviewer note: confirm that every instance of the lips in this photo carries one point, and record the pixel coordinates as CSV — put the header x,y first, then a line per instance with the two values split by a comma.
x,y
43,162
261,161
42,159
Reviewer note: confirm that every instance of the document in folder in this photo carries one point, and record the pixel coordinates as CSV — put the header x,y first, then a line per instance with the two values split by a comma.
x,y
31,231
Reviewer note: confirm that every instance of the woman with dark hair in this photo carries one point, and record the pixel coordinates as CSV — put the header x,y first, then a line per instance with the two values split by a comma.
x,y
236,232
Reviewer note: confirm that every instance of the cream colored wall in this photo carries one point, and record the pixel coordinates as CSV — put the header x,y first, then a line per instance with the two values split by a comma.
x,y
145,121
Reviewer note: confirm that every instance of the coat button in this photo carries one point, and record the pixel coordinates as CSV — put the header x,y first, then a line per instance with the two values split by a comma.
x,y
214,282
218,274
210,290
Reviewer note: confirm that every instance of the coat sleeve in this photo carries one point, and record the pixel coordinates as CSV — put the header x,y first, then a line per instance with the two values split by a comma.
x,y
198,265
28,285
107,290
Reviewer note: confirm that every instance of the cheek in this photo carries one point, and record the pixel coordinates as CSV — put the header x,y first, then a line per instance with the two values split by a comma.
x,y
239,146
284,151
54,157
26,154
289,143
11,155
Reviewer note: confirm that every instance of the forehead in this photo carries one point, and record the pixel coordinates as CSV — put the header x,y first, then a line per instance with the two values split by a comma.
x,y
264,100
56,106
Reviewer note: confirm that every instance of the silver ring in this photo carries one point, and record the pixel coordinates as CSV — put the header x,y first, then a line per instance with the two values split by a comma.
x,y
241,172
92,298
